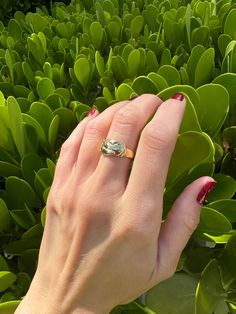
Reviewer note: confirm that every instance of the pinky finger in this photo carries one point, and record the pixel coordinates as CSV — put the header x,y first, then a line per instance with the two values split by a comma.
x,y
179,225
70,150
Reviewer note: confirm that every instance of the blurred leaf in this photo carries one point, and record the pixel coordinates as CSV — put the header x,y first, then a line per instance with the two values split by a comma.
x,y
45,87
6,280
210,291
16,124
9,307
22,191
181,287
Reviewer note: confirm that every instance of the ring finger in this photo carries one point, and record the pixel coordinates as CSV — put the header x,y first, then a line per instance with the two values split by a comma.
x,y
126,127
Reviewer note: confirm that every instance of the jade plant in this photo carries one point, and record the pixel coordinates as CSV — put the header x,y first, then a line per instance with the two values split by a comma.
x,y
57,63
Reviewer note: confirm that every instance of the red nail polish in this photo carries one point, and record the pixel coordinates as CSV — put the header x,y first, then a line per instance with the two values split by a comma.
x,y
206,189
178,96
92,112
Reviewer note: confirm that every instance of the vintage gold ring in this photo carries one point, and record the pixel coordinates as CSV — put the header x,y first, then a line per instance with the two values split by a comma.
x,y
112,147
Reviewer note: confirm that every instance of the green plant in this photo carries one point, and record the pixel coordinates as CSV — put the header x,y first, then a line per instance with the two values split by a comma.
x,y
54,67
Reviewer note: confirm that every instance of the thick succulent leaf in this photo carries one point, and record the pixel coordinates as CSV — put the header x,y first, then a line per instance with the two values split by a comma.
x,y
6,280
186,156
82,71
210,291
213,107
181,287
212,222
22,191
16,124
225,187
45,87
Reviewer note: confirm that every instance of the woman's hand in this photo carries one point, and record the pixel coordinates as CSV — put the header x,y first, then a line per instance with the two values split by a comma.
x,y
104,242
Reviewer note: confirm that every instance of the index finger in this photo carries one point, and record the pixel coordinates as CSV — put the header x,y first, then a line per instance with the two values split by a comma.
x,y
154,151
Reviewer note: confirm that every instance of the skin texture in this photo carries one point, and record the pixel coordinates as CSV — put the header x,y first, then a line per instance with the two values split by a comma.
x,y
104,241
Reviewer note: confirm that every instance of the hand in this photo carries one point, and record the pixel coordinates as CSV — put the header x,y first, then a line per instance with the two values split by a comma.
x,y
104,242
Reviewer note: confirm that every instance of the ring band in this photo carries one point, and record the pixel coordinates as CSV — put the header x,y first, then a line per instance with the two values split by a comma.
x,y
111,147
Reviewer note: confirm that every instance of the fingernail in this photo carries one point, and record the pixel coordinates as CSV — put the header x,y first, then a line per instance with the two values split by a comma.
x,y
206,189
178,96
92,112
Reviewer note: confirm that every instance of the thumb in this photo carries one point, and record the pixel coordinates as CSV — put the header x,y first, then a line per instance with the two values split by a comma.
x,y
179,225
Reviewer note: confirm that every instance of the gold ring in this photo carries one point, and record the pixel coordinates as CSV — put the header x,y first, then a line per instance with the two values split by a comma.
x,y
115,148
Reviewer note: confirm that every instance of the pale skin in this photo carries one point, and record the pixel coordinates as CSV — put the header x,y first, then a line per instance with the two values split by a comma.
x,y
104,241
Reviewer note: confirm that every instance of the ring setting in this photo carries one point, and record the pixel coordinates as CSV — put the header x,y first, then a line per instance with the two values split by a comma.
x,y
111,147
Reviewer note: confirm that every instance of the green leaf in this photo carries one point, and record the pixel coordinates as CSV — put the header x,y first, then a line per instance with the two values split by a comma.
x,y
24,218
124,92
225,187
96,32
6,280
193,60
213,107
42,113
205,68
9,307
227,264
186,156
230,24
16,124
14,29
52,132
175,295
212,222
210,291
170,74
28,261
4,216
160,82
136,26
133,63
82,71
143,84
31,163
114,30
7,169
42,181
119,68
45,87
19,193
39,130
10,63
200,36
100,64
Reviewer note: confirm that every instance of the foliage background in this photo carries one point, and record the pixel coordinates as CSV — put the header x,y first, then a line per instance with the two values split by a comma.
x,y
59,60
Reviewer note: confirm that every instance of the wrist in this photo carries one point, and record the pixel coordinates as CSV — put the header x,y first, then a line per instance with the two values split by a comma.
x,y
39,300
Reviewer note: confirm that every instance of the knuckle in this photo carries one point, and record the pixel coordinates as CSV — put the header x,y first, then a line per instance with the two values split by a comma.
x,y
94,128
157,138
126,118
190,222
66,147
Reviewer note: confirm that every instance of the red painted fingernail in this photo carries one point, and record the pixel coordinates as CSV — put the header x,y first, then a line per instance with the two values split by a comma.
x,y
206,189
178,96
92,112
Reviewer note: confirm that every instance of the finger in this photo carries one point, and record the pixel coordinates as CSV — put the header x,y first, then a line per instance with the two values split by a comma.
x,y
153,155
70,149
126,127
95,131
179,225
